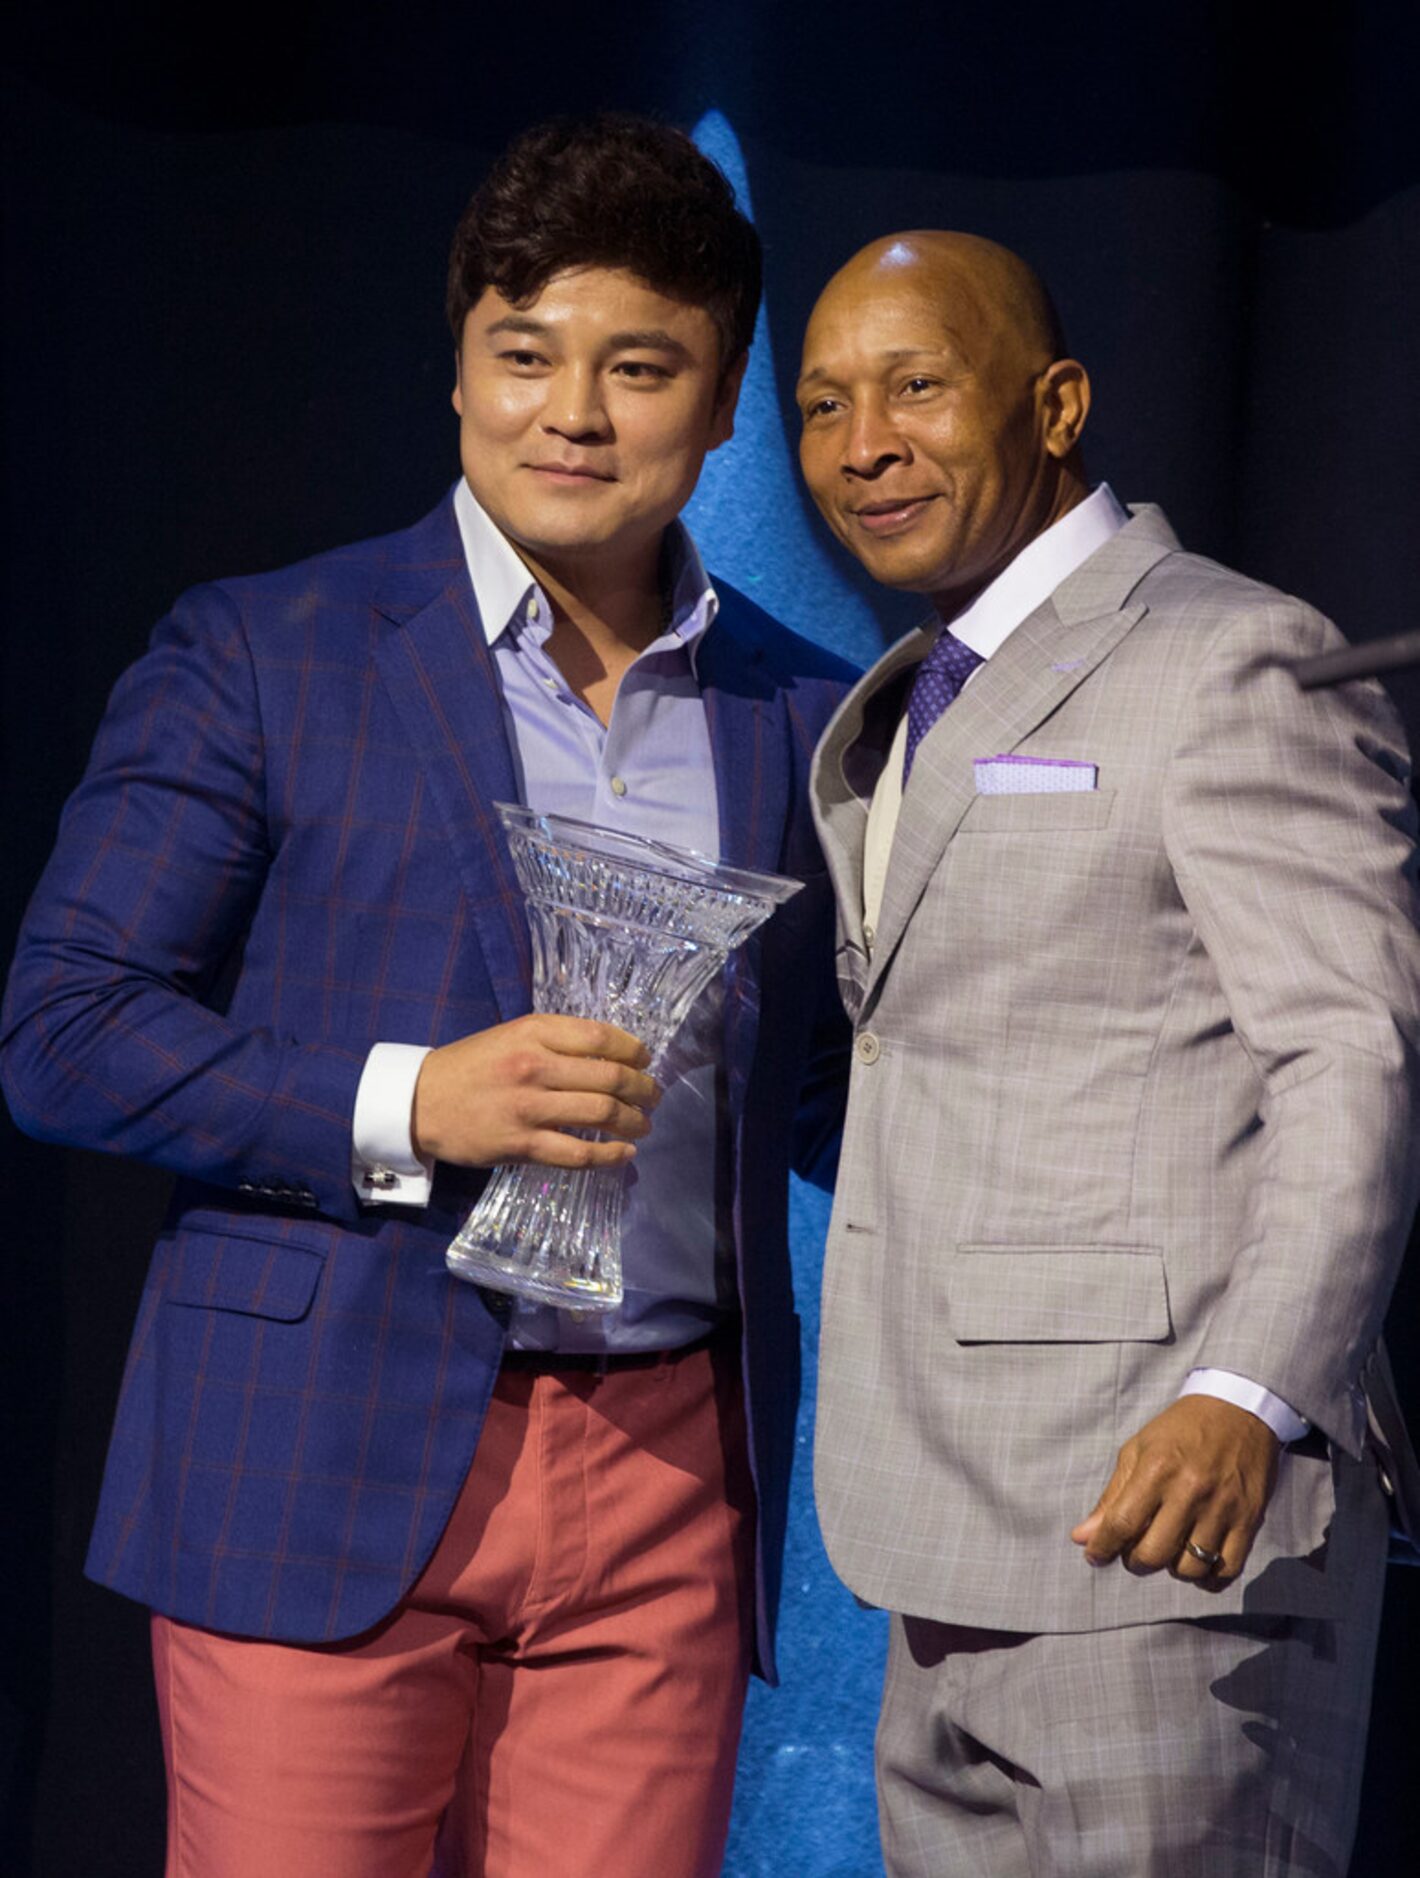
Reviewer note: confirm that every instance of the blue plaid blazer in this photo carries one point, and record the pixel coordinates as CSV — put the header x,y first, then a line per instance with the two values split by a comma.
x,y
283,850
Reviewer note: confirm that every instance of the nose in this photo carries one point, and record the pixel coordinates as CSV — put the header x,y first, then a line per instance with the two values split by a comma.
x,y
871,443
575,408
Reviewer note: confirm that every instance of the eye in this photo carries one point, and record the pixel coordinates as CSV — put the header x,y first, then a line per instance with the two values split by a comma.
x,y
915,386
642,371
522,358
821,407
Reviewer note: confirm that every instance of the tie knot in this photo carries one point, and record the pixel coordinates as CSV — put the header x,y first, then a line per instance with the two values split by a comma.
x,y
940,677
953,658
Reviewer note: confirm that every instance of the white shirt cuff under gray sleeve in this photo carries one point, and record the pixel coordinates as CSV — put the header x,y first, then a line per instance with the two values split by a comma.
x,y
1283,1420
383,1165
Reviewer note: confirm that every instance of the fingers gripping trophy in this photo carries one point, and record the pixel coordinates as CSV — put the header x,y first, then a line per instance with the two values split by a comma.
x,y
629,931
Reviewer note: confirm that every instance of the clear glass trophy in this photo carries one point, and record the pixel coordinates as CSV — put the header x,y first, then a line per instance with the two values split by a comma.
x,y
630,931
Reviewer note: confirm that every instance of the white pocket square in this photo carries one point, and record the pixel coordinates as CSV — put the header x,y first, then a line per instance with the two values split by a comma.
x,y
1032,775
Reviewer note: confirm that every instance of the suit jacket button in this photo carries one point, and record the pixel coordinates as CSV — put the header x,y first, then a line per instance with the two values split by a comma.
x,y
866,1047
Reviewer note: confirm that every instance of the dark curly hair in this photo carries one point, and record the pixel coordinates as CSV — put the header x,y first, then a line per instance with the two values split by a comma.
x,y
613,190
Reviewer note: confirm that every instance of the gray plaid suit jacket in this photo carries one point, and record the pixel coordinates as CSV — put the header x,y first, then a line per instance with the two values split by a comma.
x,y
1134,1090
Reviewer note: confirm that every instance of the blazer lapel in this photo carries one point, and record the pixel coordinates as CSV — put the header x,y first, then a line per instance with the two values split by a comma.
x,y
1045,658
747,718
749,742
441,676
1010,696
846,767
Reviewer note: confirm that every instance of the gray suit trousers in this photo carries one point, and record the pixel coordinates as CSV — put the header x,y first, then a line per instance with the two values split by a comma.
x,y
1220,1747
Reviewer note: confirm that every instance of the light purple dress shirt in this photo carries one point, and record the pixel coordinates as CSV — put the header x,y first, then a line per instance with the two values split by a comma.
x,y
648,771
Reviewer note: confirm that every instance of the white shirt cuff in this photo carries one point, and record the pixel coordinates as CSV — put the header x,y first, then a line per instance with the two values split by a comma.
x,y
384,1168
1283,1420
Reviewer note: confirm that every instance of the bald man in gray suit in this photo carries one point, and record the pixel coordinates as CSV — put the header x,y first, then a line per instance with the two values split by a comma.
x,y
1127,932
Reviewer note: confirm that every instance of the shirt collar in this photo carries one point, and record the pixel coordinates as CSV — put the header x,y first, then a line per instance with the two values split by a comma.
x,y
1030,579
506,591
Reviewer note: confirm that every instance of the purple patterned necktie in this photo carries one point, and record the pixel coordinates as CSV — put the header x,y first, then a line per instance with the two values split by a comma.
x,y
940,677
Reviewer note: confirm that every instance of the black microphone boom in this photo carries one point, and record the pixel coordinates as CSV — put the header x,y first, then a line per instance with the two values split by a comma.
x,y
1368,661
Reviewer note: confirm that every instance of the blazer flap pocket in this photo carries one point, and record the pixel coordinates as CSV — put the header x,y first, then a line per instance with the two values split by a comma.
x,y
1047,812
1058,1294
260,1277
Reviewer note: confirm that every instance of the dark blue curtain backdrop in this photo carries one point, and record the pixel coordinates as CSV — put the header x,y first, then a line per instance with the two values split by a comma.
x,y
224,350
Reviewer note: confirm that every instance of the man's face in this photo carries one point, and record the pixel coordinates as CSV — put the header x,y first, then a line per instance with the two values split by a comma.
x,y
586,415
924,426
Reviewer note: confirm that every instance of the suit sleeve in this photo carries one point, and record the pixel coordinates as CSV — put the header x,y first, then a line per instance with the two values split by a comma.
x,y
1289,826
114,1037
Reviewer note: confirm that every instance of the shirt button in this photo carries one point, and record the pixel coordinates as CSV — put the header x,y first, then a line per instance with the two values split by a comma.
x,y
870,936
866,1047
618,786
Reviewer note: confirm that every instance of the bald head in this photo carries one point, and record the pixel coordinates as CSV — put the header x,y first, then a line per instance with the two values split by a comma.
x,y
1006,288
941,421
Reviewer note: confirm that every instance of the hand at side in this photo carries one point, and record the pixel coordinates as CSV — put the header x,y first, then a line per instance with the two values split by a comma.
x,y
510,1094
1202,1471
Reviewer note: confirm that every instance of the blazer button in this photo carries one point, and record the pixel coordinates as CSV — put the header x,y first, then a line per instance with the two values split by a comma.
x,y
866,1047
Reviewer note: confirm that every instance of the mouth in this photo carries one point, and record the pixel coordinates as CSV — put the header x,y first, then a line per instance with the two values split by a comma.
x,y
892,515
570,474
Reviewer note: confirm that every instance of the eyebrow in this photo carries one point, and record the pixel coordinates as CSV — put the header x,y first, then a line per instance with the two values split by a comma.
x,y
645,339
517,323
648,339
891,357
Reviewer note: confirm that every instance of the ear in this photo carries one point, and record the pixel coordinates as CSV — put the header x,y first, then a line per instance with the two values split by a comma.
x,y
1064,391
722,421
456,397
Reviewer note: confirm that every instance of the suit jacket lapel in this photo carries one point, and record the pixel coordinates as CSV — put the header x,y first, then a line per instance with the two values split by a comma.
x,y
1010,696
848,762
441,676
1051,652
846,768
749,741
747,718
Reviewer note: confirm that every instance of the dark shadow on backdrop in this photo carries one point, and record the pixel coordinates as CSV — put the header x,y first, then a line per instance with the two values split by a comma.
x,y
224,351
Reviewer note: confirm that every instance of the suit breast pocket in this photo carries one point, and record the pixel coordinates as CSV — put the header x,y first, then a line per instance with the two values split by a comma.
x,y
1048,812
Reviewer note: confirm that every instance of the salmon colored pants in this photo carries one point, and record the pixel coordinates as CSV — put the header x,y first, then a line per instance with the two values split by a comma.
x,y
559,1694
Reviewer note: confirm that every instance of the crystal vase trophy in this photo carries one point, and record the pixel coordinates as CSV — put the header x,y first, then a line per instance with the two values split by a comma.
x,y
630,931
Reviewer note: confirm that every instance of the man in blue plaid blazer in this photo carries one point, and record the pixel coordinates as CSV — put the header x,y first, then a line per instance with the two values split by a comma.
x,y
420,1568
